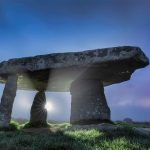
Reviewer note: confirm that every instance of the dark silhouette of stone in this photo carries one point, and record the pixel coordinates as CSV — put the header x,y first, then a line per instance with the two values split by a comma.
x,y
8,100
88,102
38,114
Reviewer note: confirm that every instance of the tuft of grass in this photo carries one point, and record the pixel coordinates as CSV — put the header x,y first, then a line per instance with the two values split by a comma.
x,y
61,126
132,125
15,125
122,123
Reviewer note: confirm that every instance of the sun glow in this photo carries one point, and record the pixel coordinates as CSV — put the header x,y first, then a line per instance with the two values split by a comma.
x,y
49,106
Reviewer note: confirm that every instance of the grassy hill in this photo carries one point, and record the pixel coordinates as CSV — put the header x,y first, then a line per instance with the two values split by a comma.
x,y
55,138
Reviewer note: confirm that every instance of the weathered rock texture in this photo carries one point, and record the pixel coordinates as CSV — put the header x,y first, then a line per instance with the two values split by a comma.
x,y
38,114
7,100
88,104
110,65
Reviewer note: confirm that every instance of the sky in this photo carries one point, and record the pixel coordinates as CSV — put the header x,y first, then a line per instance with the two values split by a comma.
x,y
34,27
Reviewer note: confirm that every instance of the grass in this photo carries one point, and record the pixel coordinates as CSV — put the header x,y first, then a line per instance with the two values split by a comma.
x,y
122,139
134,124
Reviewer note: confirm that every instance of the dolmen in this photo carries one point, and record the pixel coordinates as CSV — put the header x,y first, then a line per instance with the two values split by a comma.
x,y
84,74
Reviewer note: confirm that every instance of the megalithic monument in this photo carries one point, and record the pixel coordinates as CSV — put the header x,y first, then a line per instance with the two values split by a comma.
x,y
84,74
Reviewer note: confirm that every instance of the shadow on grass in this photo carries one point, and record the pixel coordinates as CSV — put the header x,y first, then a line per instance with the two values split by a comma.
x,y
31,141
50,139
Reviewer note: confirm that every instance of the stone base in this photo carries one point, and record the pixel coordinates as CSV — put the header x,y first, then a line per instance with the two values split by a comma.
x,y
36,125
88,104
38,112
102,127
90,121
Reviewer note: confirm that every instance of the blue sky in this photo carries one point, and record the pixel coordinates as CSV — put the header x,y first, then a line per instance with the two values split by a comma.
x,y
33,27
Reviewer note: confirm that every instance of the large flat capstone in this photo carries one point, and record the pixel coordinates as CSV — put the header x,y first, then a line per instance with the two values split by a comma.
x,y
55,72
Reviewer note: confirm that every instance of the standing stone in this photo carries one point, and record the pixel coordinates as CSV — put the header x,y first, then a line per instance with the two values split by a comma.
x,y
38,112
88,104
7,100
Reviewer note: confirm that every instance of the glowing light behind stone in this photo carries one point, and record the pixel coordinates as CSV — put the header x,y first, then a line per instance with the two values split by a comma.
x,y
49,106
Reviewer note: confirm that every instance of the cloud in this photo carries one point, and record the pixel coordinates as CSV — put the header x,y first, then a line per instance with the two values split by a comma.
x,y
131,98
143,103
